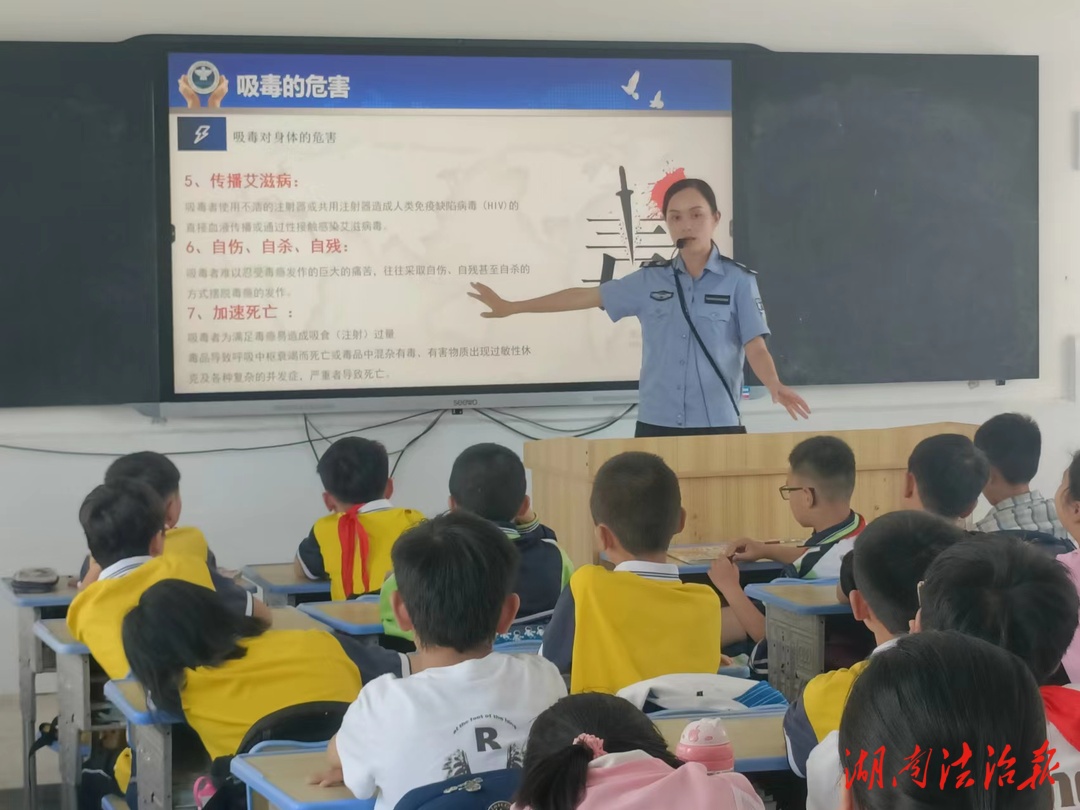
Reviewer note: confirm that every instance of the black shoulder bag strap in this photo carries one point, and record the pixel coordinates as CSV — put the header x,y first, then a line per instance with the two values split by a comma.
x,y
701,343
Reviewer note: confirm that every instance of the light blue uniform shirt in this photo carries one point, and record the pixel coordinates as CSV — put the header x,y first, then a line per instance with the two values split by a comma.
x,y
678,387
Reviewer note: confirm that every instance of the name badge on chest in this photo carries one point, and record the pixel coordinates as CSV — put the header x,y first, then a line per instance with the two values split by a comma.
x,y
724,300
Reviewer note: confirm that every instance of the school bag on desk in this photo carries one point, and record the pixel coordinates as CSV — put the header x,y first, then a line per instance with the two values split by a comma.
x,y
491,790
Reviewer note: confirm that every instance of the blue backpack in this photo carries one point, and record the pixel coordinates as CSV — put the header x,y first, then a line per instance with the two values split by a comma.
x,y
492,790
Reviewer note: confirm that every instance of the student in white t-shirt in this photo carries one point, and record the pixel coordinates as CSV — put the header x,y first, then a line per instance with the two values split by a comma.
x,y
467,709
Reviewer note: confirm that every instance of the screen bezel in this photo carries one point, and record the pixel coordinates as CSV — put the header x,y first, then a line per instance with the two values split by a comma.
x,y
380,399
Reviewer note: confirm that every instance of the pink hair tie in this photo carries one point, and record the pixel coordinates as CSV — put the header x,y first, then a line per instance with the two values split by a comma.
x,y
594,744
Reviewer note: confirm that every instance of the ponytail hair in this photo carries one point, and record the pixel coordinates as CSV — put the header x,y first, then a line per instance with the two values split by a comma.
x,y
568,736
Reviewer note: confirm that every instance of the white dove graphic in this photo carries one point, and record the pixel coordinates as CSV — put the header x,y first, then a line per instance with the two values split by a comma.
x,y
630,88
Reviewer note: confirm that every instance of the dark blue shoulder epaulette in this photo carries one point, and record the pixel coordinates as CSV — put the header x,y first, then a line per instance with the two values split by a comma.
x,y
657,261
740,266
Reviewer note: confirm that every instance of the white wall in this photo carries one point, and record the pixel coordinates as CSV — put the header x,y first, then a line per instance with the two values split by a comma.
x,y
256,506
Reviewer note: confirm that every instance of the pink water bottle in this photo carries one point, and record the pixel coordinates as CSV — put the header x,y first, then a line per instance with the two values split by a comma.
x,y
705,741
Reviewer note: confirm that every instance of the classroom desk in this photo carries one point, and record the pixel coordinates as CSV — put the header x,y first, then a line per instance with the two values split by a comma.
x,y
281,779
757,738
290,618
278,584
73,697
34,659
150,734
355,617
759,570
795,614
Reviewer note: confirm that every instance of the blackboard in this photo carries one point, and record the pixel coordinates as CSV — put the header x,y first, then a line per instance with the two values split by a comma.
x,y
78,277
889,204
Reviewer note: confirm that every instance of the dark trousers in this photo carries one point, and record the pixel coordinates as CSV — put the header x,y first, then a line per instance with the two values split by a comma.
x,y
646,431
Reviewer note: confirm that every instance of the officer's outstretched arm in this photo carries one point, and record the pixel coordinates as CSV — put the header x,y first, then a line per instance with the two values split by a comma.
x,y
562,301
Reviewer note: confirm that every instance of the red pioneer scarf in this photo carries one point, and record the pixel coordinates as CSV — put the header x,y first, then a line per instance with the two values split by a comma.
x,y
349,530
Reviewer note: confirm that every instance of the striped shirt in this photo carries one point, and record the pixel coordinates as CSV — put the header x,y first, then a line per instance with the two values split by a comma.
x,y
1029,511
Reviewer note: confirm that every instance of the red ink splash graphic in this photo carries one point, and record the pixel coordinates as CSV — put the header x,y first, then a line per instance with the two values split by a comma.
x,y
661,186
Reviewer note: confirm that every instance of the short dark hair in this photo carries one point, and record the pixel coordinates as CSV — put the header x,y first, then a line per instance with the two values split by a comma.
x,y
1007,592
489,480
153,469
694,183
891,557
1012,444
454,573
121,520
942,691
1073,474
177,626
950,473
355,470
829,462
636,495
556,767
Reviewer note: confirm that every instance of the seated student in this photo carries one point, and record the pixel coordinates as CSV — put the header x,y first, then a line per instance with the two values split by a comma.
x,y
1067,501
611,629
351,546
946,474
597,751
489,480
162,476
1010,594
1012,444
889,561
932,693
124,524
223,672
819,487
467,709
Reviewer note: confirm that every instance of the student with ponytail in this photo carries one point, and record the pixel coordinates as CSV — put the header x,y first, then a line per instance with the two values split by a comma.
x,y
592,750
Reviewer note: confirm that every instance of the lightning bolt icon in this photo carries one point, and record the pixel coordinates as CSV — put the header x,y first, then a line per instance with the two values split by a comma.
x,y
627,210
202,132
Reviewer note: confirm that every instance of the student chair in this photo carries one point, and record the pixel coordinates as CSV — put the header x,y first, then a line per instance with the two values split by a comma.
x,y
479,791
305,723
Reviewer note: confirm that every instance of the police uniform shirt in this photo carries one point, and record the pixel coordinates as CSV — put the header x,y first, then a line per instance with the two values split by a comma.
x,y
678,386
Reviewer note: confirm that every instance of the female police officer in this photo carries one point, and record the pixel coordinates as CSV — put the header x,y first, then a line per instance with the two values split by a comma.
x,y
701,316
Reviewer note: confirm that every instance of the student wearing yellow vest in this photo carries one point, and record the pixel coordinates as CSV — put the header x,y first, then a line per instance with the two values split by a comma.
x,y
890,559
351,546
611,629
161,475
223,673
124,525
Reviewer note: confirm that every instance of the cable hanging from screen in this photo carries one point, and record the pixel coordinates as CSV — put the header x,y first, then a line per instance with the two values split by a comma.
x,y
414,440
578,433
213,450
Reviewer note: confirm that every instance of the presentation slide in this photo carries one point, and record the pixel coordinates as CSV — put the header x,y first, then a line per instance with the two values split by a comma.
x,y
332,211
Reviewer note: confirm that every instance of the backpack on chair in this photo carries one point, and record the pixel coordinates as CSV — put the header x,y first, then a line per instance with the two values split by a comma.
x,y
491,790
305,722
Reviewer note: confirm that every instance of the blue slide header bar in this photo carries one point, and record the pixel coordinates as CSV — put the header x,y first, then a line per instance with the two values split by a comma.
x,y
320,81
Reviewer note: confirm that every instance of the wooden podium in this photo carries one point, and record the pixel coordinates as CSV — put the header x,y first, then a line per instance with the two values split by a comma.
x,y
730,484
